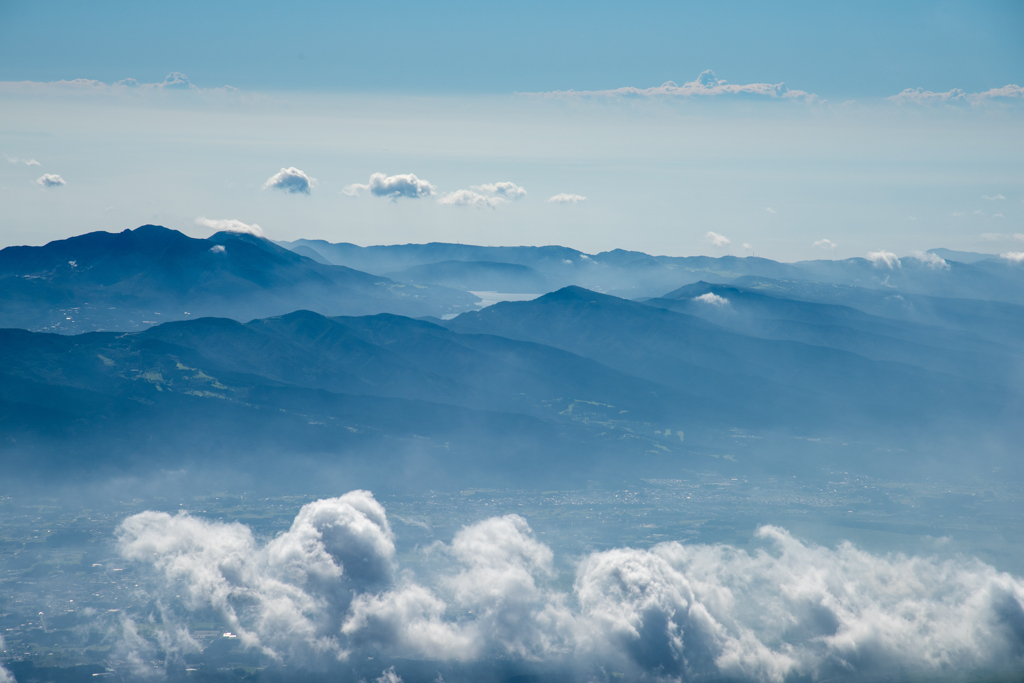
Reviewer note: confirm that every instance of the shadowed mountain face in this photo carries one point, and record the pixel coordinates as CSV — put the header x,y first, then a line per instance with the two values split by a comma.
x,y
133,279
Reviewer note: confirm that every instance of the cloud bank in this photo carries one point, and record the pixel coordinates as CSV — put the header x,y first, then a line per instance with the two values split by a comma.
x,y
50,180
290,180
1008,93
707,84
1013,256
331,590
173,81
393,187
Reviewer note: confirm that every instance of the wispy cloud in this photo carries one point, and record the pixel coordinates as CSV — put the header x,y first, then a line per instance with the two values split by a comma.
x,y
993,198
717,240
1008,93
50,180
1002,236
470,198
825,244
173,81
933,261
229,225
290,180
707,84
393,187
505,189
769,209
567,199
27,162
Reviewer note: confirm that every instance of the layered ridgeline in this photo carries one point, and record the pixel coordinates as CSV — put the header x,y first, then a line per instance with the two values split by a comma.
x,y
633,274
572,385
136,278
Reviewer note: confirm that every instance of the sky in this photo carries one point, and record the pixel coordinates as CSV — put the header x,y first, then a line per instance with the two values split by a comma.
x,y
856,126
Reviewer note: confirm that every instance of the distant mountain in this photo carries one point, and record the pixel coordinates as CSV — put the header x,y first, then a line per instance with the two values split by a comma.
x,y
476,276
819,389
963,256
136,278
633,274
932,346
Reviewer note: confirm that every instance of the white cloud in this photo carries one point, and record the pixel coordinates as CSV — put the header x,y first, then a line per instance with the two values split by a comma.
x,y
959,213
717,240
884,259
998,215
713,299
290,180
993,198
1013,256
1007,93
330,588
825,244
707,84
567,199
218,249
503,189
769,209
393,186
229,225
27,162
748,246
931,260
50,180
470,198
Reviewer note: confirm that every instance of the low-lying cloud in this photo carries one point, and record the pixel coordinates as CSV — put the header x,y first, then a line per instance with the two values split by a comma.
x,y
229,225
393,187
933,261
330,589
50,180
1013,256
174,81
707,84
290,180
884,259
712,299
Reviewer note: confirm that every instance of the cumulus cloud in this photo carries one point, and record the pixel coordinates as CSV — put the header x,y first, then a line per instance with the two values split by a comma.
x,y
1008,93
505,189
291,180
933,261
1013,256
470,198
567,199
229,225
712,299
707,84
825,244
884,259
717,240
330,588
50,180
27,162
993,198
393,186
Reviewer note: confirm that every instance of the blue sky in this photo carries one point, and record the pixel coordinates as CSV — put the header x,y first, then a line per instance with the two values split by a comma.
x,y
345,91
